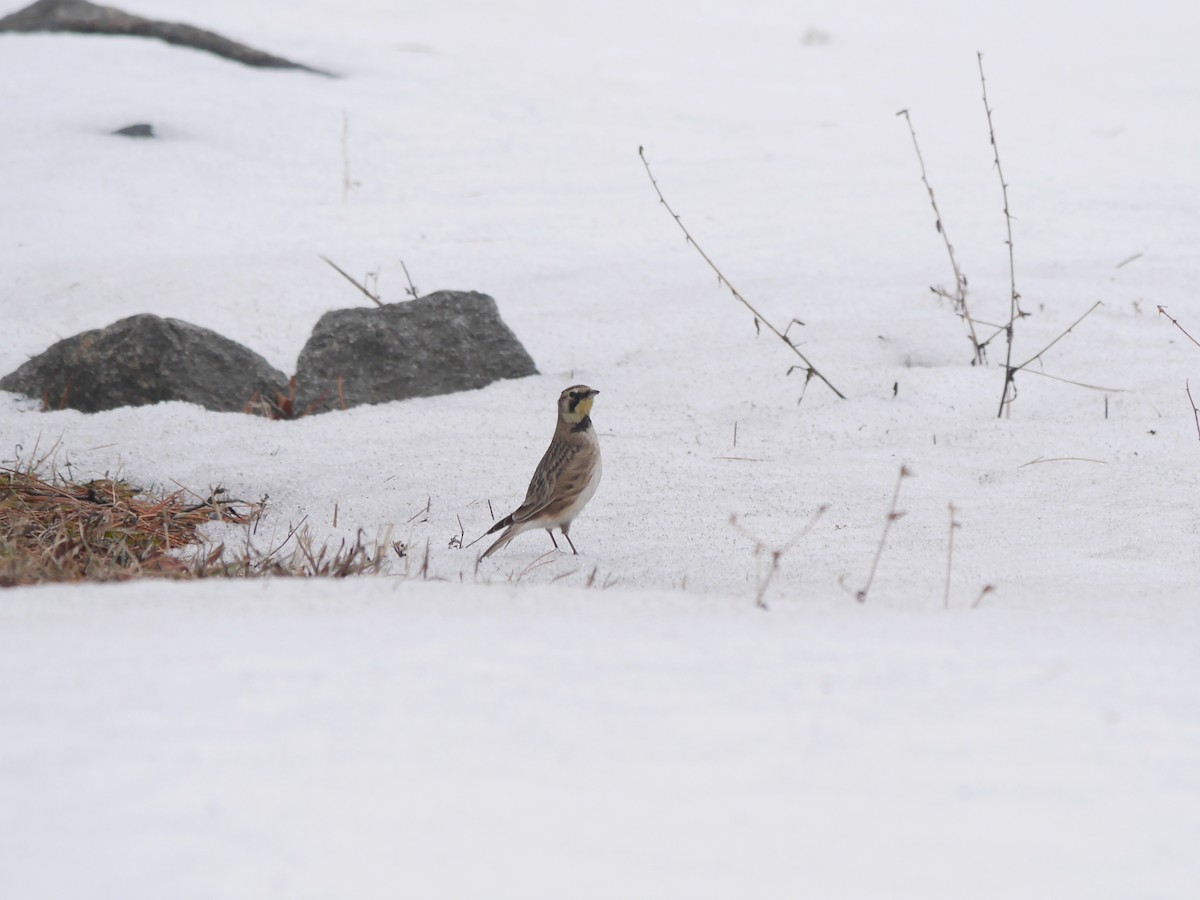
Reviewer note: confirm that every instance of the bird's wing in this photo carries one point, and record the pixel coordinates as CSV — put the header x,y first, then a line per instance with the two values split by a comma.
x,y
546,477
576,475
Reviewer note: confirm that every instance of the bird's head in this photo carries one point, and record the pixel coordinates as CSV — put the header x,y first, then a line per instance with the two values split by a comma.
x,y
575,403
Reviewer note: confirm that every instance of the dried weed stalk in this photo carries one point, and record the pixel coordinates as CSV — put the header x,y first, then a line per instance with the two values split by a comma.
x,y
1162,311
370,295
373,278
954,526
893,514
1015,311
959,296
773,555
808,368
1009,393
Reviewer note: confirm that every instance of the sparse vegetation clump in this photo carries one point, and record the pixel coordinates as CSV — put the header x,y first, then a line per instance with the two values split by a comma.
x,y
959,295
53,529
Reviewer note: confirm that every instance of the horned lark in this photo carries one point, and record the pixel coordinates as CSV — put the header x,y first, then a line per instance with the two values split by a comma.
x,y
564,480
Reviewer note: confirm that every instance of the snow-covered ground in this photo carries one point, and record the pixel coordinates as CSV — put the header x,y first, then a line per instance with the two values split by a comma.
x,y
627,722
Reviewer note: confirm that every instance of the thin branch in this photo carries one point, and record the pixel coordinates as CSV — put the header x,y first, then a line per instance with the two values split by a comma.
x,y
987,589
412,288
1195,411
292,529
959,298
375,299
775,554
892,516
544,560
1162,311
949,555
1043,459
1038,355
1082,384
422,512
722,280
999,328
1015,298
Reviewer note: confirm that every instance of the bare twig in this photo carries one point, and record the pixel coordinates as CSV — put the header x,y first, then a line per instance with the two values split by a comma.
x,y
892,515
1162,311
959,297
1015,311
422,512
292,529
544,560
987,589
1127,260
411,290
456,541
1068,330
722,280
1082,384
775,554
954,525
1044,459
1195,411
373,297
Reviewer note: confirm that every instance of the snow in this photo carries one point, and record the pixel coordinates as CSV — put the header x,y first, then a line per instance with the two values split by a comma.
x,y
517,729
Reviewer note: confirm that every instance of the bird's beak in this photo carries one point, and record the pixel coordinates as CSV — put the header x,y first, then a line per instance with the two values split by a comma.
x,y
593,393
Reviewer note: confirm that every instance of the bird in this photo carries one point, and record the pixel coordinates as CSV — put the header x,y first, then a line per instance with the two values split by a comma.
x,y
564,481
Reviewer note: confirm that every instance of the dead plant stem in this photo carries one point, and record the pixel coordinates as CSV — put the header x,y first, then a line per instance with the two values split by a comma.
x,y
722,280
1014,297
892,516
959,297
374,298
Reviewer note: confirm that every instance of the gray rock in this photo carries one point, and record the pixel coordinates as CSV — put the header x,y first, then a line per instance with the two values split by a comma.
x,y
137,130
89,18
146,359
444,342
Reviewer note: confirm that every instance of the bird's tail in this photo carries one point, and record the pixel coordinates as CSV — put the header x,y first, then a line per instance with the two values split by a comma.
x,y
503,523
502,541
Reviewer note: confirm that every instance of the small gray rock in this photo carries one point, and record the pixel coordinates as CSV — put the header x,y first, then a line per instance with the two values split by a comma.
x,y
137,130
146,359
444,342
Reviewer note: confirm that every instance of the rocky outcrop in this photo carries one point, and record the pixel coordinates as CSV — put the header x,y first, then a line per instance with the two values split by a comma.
x,y
146,359
82,17
444,342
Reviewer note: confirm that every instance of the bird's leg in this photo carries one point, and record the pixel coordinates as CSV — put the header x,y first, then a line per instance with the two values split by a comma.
x,y
569,541
551,533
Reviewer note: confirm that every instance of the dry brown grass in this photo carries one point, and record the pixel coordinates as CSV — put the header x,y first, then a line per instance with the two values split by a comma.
x,y
103,530
284,406
56,530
